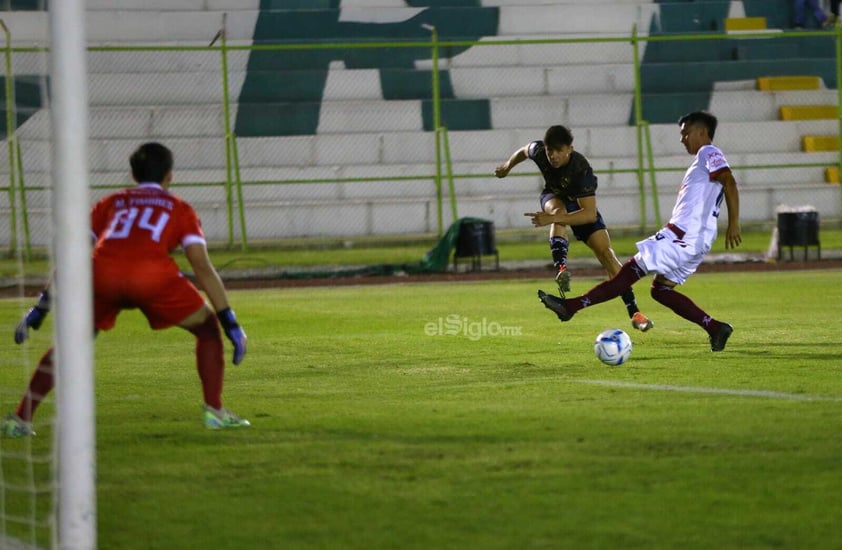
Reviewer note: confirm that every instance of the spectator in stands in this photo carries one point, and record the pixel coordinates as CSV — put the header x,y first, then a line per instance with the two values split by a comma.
x,y
817,10
834,15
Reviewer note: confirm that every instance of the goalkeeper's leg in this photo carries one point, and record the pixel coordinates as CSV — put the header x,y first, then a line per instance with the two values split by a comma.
x,y
211,364
210,359
40,385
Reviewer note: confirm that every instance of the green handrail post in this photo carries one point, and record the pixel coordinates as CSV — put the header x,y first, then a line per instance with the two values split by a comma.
x,y
10,141
638,121
434,40
653,182
232,143
228,197
239,182
226,117
24,210
451,188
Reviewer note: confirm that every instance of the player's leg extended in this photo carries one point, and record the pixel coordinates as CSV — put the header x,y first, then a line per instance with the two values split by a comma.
x,y
210,359
630,273
40,385
600,242
19,423
558,246
167,300
663,291
210,362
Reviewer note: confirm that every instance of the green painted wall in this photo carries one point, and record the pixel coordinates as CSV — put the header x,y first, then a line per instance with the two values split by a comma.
x,y
283,90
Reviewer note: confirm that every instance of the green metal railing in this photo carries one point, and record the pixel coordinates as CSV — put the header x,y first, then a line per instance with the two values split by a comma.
x,y
233,184
232,157
16,189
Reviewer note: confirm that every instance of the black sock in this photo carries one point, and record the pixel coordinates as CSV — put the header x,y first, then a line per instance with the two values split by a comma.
x,y
631,304
558,247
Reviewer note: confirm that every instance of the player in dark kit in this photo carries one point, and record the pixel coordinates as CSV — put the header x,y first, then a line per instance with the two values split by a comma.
x,y
569,198
676,251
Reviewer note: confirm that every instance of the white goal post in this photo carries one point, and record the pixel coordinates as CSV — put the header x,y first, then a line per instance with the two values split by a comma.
x,y
76,499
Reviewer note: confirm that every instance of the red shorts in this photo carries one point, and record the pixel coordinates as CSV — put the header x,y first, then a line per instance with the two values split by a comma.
x,y
165,296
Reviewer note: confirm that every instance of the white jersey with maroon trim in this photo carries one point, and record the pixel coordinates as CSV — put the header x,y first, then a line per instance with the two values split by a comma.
x,y
696,210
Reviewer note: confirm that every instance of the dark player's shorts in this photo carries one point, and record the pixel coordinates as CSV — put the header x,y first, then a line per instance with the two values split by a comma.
x,y
582,232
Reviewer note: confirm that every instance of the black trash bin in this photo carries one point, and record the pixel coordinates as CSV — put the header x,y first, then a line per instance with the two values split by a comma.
x,y
798,229
476,239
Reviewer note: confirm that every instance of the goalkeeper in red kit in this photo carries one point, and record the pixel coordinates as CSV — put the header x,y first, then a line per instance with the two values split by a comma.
x,y
136,230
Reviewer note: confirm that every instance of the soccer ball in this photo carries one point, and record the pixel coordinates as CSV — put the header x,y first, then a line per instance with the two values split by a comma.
x,y
613,347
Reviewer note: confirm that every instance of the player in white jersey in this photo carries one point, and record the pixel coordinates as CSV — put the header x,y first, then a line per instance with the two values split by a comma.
x,y
674,253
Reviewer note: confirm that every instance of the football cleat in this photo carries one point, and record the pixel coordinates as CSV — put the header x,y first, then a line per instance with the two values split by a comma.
x,y
217,419
15,426
556,305
718,340
641,322
562,279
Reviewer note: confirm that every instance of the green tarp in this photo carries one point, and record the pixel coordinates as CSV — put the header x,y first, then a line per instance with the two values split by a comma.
x,y
435,260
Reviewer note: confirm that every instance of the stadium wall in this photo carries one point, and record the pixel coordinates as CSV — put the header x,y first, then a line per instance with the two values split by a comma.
x,y
334,138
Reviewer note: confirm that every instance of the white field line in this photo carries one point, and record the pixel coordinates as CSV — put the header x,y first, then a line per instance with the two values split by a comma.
x,y
718,391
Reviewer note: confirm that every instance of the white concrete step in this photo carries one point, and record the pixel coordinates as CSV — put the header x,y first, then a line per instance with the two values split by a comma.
x,y
490,54
138,26
116,132
171,5
194,20
575,19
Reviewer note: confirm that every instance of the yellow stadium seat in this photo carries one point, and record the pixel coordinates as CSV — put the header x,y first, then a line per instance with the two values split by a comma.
x,y
814,144
778,83
733,24
808,112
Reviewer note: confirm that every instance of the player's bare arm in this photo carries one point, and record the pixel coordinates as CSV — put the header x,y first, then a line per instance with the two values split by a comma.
x,y
517,157
208,279
206,276
585,214
733,236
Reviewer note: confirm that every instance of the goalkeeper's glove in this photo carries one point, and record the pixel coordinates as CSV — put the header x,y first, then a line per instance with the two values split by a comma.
x,y
33,318
234,332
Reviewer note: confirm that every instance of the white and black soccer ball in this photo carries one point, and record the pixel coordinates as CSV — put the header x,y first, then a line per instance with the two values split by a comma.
x,y
613,347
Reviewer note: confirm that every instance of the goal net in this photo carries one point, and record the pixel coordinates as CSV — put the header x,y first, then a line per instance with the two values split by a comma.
x,y
27,481
47,498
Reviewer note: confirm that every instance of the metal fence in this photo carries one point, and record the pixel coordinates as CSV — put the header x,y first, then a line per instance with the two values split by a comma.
x,y
291,140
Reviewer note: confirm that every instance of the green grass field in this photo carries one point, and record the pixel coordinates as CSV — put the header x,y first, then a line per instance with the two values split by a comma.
x,y
372,428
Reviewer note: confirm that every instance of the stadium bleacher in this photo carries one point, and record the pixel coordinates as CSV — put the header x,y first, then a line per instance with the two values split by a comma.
x,y
329,114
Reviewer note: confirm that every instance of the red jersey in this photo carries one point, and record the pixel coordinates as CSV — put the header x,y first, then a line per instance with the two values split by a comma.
x,y
136,230
141,226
